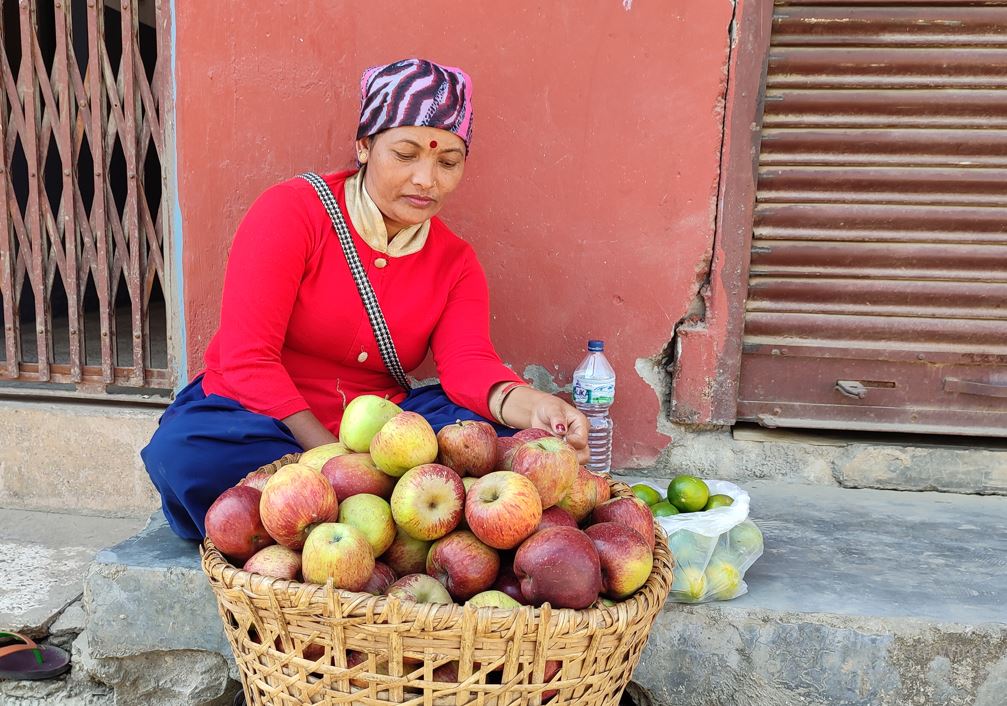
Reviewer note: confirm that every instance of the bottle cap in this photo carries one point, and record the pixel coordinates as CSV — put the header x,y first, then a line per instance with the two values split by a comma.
x,y
594,346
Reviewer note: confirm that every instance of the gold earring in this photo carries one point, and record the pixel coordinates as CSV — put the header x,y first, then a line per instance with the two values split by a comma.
x,y
362,156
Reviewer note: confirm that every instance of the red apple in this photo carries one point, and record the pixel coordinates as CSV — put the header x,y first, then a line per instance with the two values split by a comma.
x,y
373,517
463,564
604,489
381,578
405,441
506,446
419,588
626,560
355,658
503,509
257,479
275,560
631,512
551,670
468,447
446,673
233,523
295,499
582,495
340,552
560,566
531,434
427,501
551,464
354,474
406,555
508,583
555,516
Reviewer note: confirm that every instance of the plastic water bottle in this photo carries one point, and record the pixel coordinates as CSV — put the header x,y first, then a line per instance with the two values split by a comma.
x,y
593,393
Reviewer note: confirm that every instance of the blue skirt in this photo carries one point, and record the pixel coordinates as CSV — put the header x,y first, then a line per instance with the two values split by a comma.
x,y
205,444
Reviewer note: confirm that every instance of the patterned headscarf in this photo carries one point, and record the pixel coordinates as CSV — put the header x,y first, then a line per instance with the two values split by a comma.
x,y
415,92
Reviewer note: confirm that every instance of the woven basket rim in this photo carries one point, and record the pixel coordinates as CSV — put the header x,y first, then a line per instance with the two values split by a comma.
x,y
218,569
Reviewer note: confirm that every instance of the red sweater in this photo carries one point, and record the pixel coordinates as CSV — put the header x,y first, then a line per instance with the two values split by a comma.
x,y
293,333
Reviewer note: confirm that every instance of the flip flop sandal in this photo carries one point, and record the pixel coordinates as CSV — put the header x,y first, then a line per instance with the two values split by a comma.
x,y
23,659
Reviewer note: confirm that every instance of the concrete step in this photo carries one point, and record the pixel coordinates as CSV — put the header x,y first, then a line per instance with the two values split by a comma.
x,y
862,597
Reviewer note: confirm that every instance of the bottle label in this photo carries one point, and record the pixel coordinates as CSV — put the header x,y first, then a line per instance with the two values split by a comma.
x,y
590,392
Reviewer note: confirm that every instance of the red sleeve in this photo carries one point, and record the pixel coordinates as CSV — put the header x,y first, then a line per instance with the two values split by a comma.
x,y
467,364
264,271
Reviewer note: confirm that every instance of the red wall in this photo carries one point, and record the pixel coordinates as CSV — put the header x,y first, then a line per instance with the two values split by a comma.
x,y
590,193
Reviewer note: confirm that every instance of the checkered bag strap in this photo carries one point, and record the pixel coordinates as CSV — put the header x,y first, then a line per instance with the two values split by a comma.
x,y
381,334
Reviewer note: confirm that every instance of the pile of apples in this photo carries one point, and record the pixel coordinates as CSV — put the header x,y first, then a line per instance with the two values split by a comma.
x,y
457,516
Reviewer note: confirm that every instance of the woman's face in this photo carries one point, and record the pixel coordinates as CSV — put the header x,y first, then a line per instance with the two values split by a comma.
x,y
411,171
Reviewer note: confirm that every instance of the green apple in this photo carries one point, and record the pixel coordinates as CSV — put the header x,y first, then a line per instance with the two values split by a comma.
x,y
340,552
362,419
405,441
372,516
315,458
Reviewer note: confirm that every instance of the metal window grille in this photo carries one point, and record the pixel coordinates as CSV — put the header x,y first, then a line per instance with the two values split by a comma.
x,y
84,225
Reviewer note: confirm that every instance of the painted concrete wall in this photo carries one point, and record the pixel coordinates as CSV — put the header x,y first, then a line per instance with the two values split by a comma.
x,y
591,190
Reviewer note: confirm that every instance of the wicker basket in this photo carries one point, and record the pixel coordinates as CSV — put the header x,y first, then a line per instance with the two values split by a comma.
x,y
292,641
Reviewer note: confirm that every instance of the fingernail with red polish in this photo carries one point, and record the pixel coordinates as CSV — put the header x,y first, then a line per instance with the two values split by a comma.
x,y
561,428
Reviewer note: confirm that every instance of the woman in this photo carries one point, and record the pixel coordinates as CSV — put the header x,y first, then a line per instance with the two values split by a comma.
x,y
295,343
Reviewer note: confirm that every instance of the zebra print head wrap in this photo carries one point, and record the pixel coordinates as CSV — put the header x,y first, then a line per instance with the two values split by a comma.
x,y
415,92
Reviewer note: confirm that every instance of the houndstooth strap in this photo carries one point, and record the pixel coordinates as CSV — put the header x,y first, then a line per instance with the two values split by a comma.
x,y
381,334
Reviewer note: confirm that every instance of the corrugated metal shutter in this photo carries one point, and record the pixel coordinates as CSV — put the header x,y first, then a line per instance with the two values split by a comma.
x,y
878,279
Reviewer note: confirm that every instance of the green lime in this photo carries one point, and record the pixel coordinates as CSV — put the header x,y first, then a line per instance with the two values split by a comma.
x,y
688,493
663,509
718,501
646,493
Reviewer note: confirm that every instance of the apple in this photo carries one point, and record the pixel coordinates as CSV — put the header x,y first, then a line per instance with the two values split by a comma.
x,y
604,489
419,588
315,458
257,479
463,564
582,496
406,555
446,673
405,441
503,509
626,560
560,566
551,670
493,599
468,447
381,578
363,418
508,583
427,501
275,560
506,446
631,512
555,516
233,523
354,473
340,552
531,434
355,658
373,517
294,499
551,464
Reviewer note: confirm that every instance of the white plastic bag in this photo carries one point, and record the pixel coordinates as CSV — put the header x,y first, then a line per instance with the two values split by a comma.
x,y
712,549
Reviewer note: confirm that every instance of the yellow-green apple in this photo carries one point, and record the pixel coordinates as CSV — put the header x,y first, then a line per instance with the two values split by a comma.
x,y
295,499
551,464
502,509
340,552
555,516
508,583
373,517
631,512
405,441
381,578
362,419
233,523
493,599
582,496
463,564
275,560
427,501
419,588
626,560
356,473
257,479
468,447
604,489
315,458
407,555
560,566
531,434
506,446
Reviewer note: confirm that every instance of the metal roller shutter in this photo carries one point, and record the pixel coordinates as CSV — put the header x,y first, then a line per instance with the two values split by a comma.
x,y
878,280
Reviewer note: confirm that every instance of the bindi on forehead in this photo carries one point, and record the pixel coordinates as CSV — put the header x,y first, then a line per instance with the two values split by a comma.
x,y
433,144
